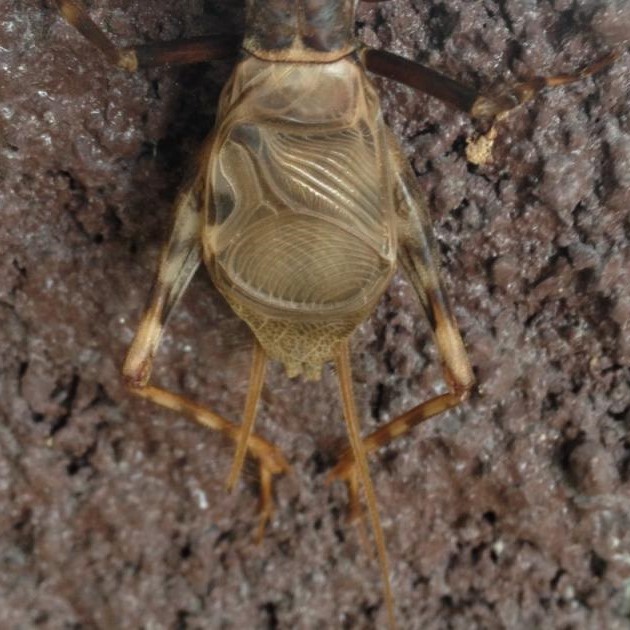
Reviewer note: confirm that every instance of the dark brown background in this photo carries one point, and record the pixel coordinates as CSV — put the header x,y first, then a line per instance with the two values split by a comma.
x,y
513,511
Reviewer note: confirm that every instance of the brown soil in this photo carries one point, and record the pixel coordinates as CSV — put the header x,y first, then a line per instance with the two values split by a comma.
x,y
511,512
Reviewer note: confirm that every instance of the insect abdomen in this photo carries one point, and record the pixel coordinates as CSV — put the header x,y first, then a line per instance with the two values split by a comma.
x,y
302,209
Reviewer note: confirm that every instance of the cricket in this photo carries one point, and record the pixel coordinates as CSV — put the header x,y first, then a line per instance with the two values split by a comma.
x,y
301,206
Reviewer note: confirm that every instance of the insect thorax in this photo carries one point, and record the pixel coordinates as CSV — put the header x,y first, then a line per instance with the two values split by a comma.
x,y
300,30
301,235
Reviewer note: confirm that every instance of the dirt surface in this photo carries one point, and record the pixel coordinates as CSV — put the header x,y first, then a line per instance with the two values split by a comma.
x,y
511,512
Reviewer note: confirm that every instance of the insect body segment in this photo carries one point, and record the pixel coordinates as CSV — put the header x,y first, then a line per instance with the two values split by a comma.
x,y
307,31
305,237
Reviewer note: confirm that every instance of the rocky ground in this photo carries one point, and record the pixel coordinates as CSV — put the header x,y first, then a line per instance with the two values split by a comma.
x,y
512,511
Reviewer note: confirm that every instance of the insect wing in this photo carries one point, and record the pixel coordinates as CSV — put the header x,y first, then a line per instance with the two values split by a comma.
x,y
301,187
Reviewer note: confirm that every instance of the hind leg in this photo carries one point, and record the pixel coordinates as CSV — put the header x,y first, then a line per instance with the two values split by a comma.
x,y
178,262
417,255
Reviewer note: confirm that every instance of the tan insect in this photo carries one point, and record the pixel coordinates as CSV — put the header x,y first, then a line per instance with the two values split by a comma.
x,y
301,207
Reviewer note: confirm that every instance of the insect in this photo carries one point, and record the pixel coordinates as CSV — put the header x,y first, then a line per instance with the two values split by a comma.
x,y
301,207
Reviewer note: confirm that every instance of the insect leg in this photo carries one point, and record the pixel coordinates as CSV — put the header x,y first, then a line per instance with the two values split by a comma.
x,y
418,257
270,459
179,260
193,50
359,456
482,106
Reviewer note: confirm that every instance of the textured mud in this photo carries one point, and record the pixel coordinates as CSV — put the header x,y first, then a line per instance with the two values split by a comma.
x,y
510,512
